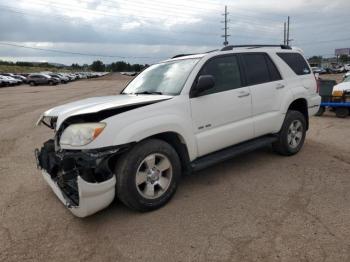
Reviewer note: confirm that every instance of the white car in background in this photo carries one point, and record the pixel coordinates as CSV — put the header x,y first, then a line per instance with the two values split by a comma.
x,y
339,89
12,81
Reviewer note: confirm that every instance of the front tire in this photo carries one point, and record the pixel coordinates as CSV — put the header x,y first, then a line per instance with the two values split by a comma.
x,y
292,135
148,175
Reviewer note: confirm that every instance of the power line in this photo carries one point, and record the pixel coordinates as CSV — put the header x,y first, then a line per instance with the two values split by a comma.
x,y
78,53
325,41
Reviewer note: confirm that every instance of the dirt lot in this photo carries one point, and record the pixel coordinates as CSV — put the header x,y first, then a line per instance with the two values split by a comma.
x,y
257,207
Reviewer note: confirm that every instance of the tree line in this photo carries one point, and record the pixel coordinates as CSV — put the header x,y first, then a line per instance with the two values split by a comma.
x,y
97,66
31,64
119,66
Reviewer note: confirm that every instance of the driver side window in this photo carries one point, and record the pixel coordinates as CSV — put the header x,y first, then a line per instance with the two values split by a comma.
x,y
225,71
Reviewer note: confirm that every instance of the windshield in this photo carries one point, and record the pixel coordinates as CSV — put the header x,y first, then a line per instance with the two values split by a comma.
x,y
165,78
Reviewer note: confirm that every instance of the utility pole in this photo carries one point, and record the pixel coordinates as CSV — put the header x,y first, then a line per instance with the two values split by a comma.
x,y
284,33
288,22
225,28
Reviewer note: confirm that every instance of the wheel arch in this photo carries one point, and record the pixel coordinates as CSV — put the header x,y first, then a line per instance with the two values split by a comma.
x,y
301,106
174,139
179,144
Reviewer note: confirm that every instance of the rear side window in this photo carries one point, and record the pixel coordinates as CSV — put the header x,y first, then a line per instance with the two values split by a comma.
x,y
259,69
296,62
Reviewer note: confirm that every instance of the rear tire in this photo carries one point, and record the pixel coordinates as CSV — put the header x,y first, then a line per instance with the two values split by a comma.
x,y
148,175
292,135
341,112
50,83
31,83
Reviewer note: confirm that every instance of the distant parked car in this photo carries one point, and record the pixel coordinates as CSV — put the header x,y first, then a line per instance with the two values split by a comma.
x,y
63,79
318,70
330,70
4,82
20,77
42,79
13,77
347,67
71,77
12,81
340,69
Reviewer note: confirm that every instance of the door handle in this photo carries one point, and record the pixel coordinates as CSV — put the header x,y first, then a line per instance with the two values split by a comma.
x,y
243,94
280,86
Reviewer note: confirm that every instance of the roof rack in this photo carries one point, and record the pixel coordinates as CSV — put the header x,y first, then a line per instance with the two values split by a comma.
x,y
231,47
180,55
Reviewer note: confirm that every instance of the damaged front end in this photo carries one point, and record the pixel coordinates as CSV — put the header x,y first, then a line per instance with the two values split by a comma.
x,y
81,179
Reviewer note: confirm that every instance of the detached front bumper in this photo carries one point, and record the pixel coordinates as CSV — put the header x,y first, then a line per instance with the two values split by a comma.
x,y
82,180
93,196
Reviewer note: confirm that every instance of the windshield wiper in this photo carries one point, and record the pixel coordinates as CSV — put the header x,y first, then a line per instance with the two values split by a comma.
x,y
148,93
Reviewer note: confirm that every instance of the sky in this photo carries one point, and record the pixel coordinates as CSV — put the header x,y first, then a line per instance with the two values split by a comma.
x,y
136,31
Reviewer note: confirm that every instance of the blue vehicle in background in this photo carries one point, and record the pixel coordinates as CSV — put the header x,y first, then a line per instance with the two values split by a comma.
x,y
335,96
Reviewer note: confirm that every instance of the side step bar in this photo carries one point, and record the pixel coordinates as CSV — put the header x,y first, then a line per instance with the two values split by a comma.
x,y
230,152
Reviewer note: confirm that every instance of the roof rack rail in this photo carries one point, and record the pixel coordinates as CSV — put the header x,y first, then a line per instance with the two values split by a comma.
x,y
180,55
231,47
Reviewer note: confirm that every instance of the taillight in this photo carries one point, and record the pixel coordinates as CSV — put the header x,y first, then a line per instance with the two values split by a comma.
x,y
317,85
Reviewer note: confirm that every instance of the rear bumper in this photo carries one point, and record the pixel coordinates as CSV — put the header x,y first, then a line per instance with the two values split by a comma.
x,y
82,180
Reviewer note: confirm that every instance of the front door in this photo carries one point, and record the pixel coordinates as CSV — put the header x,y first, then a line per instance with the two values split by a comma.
x,y
221,116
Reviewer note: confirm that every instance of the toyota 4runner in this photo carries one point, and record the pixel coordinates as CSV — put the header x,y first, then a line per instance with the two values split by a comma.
x,y
176,117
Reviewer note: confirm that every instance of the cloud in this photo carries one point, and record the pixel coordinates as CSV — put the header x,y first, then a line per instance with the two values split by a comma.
x,y
160,28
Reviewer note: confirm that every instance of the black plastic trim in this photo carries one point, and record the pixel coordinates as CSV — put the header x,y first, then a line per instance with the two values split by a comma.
x,y
230,152
231,47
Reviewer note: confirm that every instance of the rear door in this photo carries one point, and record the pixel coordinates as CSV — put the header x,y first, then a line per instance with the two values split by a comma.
x,y
221,116
267,89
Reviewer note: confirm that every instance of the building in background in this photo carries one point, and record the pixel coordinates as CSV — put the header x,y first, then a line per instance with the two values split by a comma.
x,y
342,51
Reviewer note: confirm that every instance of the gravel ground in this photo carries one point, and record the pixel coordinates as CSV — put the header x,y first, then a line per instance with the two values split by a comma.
x,y
257,207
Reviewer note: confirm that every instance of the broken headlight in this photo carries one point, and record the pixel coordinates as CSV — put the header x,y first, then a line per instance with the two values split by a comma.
x,y
81,134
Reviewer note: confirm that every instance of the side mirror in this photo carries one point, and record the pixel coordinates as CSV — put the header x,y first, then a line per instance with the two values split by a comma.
x,y
205,82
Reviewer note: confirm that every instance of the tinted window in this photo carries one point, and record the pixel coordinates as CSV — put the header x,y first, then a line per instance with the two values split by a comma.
x,y
296,62
256,69
274,73
225,71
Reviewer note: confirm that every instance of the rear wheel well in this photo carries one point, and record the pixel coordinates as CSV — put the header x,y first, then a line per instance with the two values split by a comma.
x,y
300,105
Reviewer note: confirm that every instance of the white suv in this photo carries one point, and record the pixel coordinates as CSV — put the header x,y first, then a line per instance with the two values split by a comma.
x,y
177,116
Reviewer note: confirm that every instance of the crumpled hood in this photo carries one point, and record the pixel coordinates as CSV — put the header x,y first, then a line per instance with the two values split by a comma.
x,y
342,86
97,104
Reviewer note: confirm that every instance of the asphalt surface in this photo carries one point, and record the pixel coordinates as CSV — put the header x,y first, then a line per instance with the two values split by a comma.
x,y
257,207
